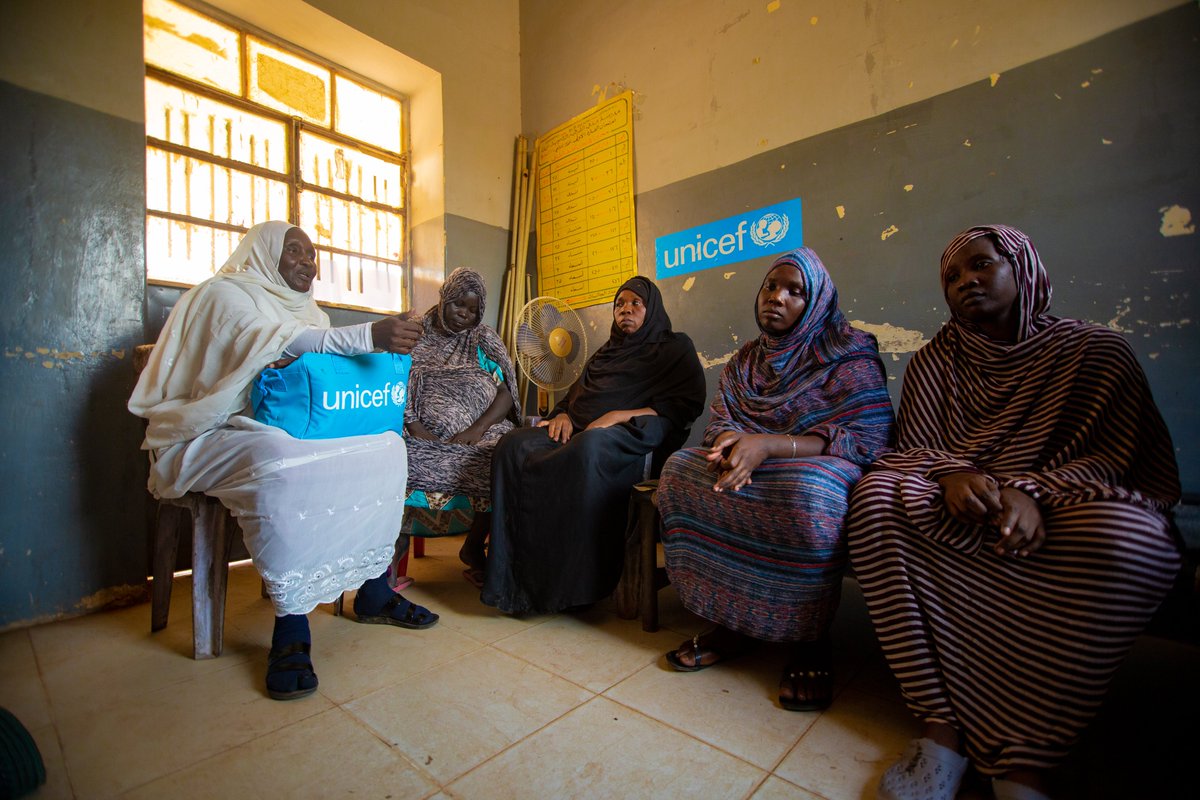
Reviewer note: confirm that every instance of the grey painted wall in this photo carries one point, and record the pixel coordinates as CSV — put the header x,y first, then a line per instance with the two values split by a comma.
x,y
72,481
483,248
1084,170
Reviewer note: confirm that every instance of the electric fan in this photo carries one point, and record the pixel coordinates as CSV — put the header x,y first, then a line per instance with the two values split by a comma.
x,y
551,344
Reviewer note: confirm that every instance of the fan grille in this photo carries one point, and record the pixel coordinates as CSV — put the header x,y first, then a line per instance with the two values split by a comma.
x,y
551,343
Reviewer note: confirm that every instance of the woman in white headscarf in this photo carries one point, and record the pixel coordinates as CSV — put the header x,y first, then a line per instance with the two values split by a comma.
x,y
318,516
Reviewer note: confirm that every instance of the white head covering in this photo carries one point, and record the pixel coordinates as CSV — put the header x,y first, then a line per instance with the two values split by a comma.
x,y
219,337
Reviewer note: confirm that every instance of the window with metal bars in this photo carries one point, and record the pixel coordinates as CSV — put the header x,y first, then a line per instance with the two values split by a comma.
x,y
241,129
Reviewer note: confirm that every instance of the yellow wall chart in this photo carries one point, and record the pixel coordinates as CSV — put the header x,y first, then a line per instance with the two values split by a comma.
x,y
585,229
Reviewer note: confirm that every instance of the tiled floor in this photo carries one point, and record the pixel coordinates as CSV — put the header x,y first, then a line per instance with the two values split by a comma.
x,y
489,706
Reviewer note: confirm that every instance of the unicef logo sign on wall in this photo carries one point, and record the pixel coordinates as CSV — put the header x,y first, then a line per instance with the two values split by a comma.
x,y
769,229
774,229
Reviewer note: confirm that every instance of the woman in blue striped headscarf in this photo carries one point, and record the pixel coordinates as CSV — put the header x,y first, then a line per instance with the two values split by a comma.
x,y
752,521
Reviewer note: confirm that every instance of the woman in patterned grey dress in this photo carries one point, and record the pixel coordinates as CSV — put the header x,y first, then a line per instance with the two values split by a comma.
x,y
462,400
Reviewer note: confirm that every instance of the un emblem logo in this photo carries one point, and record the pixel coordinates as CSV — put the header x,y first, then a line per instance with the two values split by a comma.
x,y
398,394
769,229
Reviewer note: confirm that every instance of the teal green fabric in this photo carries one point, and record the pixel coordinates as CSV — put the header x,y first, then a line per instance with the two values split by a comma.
x,y
490,367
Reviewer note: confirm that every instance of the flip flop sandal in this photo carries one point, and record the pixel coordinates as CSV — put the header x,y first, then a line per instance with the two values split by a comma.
x,y
276,665
415,617
475,577
402,583
697,655
819,700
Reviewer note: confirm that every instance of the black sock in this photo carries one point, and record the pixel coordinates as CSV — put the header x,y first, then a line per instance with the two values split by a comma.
x,y
373,594
290,628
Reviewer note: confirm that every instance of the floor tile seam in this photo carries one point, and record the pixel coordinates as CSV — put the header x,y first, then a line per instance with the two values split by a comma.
x,y
37,667
567,679
393,748
211,756
518,741
420,673
119,700
511,745
756,786
691,736
492,641
801,787
62,753
792,747
529,627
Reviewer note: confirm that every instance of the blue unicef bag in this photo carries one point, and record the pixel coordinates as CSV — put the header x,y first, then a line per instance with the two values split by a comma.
x,y
324,396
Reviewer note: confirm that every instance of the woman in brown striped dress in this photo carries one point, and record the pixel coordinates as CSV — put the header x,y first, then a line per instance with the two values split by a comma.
x,y
1017,541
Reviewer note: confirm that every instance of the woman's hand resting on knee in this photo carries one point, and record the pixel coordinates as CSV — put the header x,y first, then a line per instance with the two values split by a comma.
x,y
560,428
1020,522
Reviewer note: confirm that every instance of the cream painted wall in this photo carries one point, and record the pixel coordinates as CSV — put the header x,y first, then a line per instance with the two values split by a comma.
x,y
88,52
718,81
475,45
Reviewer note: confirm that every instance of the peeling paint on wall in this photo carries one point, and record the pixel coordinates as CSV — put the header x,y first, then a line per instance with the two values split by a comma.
x,y
53,357
1176,221
729,275
892,338
994,78
113,597
1122,311
773,6
689,283
888,232
841,212
707,362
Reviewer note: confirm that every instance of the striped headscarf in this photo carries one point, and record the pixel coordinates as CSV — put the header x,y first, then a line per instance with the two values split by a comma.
x,y
1064,414
1033,285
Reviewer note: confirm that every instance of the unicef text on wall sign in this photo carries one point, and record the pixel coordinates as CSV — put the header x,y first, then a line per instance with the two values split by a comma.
x,y
766,231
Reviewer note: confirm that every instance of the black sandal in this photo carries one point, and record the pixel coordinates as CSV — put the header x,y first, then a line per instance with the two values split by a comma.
x,y
277,664
812,670
415,617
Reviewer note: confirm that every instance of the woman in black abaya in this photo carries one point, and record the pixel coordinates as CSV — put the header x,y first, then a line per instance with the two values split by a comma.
x,y
560,491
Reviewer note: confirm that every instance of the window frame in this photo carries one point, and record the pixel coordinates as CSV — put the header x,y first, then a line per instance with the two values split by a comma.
x,y
292,178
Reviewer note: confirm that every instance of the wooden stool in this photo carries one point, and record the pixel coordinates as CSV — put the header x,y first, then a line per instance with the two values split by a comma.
x,y
637,591
213,530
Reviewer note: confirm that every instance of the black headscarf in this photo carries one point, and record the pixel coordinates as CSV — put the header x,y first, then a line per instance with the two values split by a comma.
x,y
653,367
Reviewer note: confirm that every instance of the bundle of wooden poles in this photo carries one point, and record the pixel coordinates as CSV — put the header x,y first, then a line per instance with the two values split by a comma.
x,y
518,288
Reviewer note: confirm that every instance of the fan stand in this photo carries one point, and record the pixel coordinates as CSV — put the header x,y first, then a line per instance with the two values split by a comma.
x,y
545,401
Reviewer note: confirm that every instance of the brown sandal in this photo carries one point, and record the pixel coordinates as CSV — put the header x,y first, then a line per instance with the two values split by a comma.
x,y
699,651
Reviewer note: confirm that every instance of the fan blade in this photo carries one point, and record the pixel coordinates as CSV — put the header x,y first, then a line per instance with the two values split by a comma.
x,y
548,318
558,367
529,344
541,368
